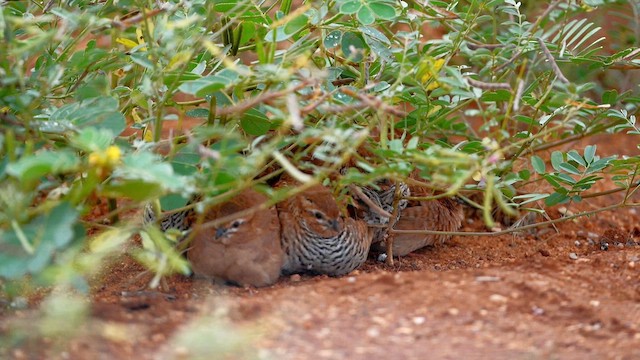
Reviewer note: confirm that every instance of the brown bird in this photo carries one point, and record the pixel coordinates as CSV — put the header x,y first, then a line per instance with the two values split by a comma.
x,y
382,198
441,214
244,251
317,239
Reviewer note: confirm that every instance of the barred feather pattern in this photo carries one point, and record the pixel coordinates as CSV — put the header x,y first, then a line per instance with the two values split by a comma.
x,y
316,238
181,220
384,198
334,256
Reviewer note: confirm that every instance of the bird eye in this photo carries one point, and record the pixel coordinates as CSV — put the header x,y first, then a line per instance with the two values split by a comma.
x,y
236,224
318,215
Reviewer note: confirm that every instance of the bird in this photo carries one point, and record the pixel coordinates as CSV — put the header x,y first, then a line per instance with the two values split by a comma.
x,y
382,198
245,251
316,237
444,214
180,220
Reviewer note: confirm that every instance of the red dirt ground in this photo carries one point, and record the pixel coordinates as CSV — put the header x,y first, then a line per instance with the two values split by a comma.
x,y
537,295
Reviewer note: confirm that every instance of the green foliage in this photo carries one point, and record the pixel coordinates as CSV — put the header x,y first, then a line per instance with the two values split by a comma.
x,y
302,87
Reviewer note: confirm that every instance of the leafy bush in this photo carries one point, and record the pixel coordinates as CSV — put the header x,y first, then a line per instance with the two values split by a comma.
x,y
304,88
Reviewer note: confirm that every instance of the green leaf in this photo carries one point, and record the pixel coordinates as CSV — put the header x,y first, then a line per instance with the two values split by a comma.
x,y
524,174
186,162
556,159
365,16
142,59
33,167
210,84
350,7
383,11
530,198
498,95
255,122
55,230
296,24
556,198
92,139
565,178
333,39
198,113
58,226
138,190
101,113
589,153
353,47
374,33
172,201
610,97
573,155
538,164
569,168
147,168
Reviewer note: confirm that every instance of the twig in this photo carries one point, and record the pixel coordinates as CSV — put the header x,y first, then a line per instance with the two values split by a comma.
x,y
476,46
488,86
543,15
373,102
552,61
516,99
373,206
513,58
262,98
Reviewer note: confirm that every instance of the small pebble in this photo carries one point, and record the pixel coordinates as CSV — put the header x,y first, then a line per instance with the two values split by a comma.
x,y
537,311
604,246
632,264
419,320
382,257
577,242
351,279
573,256
498,298
373,332
544,252
295,277
591,242
620,245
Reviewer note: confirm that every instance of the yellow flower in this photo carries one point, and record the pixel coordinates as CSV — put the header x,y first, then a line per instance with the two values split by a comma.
x,y
113,155
428,70
105,159
130,44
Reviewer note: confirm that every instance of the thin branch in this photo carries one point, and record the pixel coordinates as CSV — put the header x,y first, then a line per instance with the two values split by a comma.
x,y
552,61
488,86
373,206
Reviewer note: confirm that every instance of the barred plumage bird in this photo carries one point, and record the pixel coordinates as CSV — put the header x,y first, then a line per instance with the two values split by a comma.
x,y
316,238
180,220
244,251
443,214
384,199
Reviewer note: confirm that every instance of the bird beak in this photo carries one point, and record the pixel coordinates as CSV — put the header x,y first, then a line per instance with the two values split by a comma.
x,y
334,224
220,232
